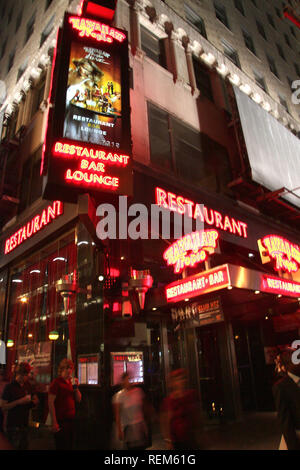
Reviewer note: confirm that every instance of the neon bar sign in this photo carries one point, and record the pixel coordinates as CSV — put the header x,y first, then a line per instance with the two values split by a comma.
x,y
191,249
49,214
202,283
285,254
275,285
184,206
95,30
91,165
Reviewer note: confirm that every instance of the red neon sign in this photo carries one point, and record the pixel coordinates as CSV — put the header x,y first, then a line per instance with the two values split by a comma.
x,y
276,285
191,249
49,214
285,254
96,30
183,206
90,165
202,283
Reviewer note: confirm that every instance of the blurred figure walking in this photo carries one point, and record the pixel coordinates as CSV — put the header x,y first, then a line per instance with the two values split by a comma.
x,y
129,409
179,417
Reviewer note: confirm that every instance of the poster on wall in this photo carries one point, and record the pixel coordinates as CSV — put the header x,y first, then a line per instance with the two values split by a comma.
x,y
38,355
130,362
94,97
88,138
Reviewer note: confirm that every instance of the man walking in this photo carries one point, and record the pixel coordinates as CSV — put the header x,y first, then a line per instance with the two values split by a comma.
x,y
287,401
17,400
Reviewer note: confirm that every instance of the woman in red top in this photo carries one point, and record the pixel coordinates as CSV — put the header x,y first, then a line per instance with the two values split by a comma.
x,y
180,415
63,393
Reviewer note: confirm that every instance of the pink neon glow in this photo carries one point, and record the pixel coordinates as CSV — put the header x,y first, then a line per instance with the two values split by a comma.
x,y
71,149
292,18
49,214
182,205
276,285
202,283
93,29
191,249
285,254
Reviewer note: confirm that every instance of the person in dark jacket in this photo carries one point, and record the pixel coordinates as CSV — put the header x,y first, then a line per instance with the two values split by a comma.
x,y
287,401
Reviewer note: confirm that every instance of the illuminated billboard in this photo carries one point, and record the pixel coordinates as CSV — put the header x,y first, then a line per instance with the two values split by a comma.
x,y
88,140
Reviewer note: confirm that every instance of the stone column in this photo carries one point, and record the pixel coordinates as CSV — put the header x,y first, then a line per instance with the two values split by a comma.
x,y
134,26
190,65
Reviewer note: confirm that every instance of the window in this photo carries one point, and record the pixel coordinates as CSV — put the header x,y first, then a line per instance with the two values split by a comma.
x,y
38,96
31,186
278,13
203,80
283,102
195,20
254,3
272,66
239,6
261,29
19,20
249,42
293,32
271,21
221,14
3,49
47,31
153,47
48,3
231,54
287,40
192,156
297,68
30,28
260,81
10,15
11,60
22,69
280,51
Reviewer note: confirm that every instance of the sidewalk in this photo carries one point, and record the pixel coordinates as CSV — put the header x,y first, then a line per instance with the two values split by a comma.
x,y
257,431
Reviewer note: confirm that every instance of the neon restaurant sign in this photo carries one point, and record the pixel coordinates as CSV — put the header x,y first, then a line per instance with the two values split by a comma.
x,y
48,215
191,249
93,29
285,254
181,205
275,285
202,283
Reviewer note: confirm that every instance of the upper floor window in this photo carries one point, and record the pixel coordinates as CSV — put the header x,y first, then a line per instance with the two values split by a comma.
x,y
260,81
283,102
261,29
195,20
239,6
10,14
19,20
47,31
249,42
280,51
297,68
221,14
153,47
293,31
30,28
48,3
287,40
203,79
231,54
11,60
31,185
272,66
38,96
271,21
22,69
3,49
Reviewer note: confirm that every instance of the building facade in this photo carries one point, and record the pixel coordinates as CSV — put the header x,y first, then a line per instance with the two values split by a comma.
x,y
215,133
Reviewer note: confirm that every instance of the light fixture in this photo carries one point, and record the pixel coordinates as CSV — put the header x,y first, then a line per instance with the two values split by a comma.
x,y
251,255
101,278
186,300
17,280
229,287
122,258
30,335
53,335
154,309
10,343
37,271
59,258
24,299
266,317
257,292
279,295
82,243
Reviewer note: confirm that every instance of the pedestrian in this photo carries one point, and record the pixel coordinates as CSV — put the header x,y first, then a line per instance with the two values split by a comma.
x,y
129,409
17,400
179,417
287,401
62,398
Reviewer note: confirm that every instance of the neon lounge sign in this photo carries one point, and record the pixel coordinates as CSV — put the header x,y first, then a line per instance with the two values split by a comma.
x,y
285,254
191,249
32,227
90,163
184,206
98,31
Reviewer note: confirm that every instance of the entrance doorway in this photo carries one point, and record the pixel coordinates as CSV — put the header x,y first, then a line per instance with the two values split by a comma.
x,y
210,372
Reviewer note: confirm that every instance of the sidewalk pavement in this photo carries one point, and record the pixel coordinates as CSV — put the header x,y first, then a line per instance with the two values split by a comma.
x,y
257,431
